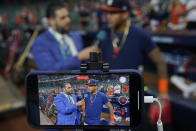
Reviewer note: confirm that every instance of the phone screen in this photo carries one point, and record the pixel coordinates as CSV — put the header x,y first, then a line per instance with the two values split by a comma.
x,y
102,99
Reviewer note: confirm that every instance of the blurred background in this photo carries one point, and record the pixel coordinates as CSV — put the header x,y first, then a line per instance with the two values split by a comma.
x,y
171,24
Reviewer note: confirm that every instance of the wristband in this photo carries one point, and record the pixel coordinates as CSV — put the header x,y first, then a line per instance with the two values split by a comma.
x,y
163,85
111,117
83,107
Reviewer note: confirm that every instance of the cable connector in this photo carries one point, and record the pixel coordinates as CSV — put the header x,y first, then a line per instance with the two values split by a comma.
x,y
159,125
151,99
148,99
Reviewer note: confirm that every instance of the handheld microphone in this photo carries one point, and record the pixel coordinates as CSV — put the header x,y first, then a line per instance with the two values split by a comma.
x,y
100,36
85,96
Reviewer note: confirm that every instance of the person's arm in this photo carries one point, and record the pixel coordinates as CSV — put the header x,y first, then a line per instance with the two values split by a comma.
x,y
46,61
109,105
83,113
158,59
155,55
84,54
61,107
161,66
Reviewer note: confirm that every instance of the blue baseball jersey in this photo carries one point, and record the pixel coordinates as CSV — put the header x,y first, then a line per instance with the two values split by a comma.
x,y
137,45
93,110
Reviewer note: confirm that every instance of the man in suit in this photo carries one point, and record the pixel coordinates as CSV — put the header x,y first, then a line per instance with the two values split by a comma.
x,y
67,107
58,48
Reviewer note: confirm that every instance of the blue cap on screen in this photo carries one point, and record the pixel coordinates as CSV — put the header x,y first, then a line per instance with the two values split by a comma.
x,y
92,82
85,95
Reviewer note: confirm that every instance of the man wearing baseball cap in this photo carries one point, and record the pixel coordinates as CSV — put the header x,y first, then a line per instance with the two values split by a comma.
x,y
126,45
94,102
117,6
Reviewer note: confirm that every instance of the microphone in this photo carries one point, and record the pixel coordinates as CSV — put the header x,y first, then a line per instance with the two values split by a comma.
x,y
85,96
100,36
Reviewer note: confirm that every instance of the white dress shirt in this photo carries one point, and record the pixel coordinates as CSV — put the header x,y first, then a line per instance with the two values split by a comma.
x,y
68,40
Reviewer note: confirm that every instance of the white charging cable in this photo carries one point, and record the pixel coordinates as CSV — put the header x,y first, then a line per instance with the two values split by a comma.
x,y
151,99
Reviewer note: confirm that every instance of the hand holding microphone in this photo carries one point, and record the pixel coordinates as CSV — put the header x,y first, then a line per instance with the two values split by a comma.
x,y
84,54
80,103
99,37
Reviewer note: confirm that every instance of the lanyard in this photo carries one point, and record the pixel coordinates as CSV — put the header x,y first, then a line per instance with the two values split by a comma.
x,y
62,51
117,48
69,97
91,98
60,47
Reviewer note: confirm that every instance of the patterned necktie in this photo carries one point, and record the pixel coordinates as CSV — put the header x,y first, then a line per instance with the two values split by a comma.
x,y
66,47
70,101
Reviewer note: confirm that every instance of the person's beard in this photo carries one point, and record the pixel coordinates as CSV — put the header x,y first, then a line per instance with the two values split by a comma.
x,y
92,92
61,30
119,24
68,93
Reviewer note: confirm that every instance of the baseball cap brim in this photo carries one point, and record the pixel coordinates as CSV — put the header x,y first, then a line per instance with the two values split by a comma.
x,y
92,85
110,9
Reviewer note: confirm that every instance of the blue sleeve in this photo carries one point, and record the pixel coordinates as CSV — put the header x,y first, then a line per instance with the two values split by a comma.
x,y
147,44
77,39
105,99
78,108
61,107
45,61
81,41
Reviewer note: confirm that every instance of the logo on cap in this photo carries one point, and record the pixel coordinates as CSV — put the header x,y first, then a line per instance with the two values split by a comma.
x,y
110,2
124,8
92,82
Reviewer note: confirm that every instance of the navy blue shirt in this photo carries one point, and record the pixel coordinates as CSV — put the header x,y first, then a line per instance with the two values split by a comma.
x,y
93,110
137,45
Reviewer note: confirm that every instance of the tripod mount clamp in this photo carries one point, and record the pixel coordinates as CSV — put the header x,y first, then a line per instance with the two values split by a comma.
x,y
95,63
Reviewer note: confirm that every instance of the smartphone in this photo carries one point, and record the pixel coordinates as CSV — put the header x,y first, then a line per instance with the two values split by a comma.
x,y
92,99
